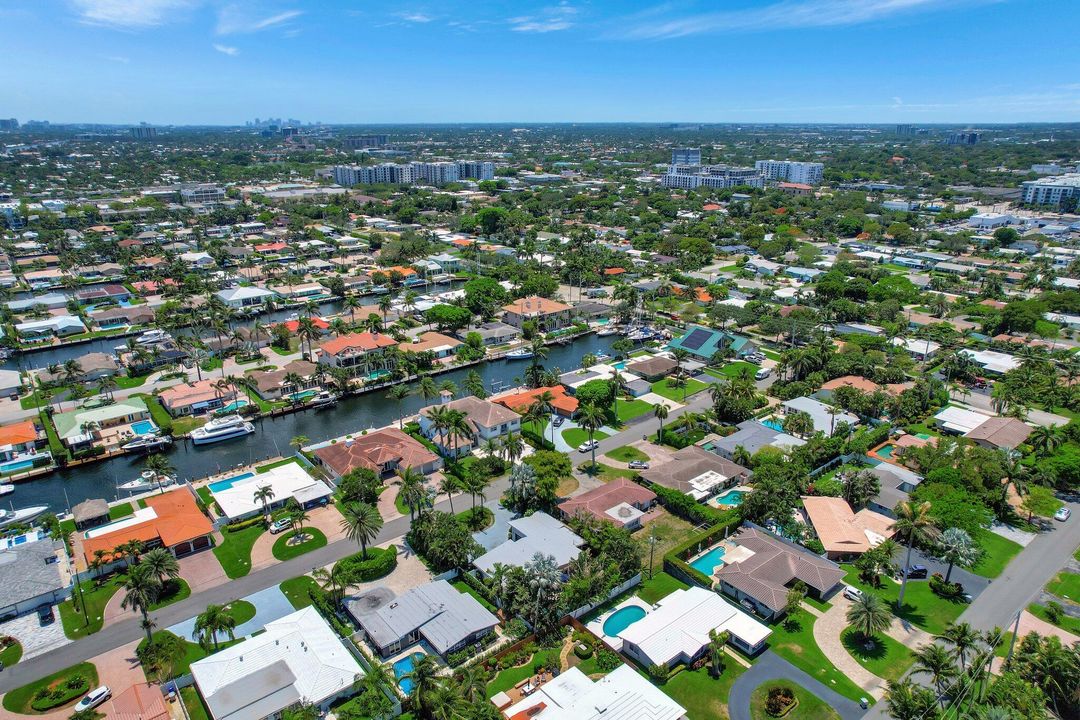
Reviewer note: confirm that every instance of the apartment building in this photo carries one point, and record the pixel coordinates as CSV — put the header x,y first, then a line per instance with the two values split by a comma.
x,y
689,177
809,173
686,156
1057,191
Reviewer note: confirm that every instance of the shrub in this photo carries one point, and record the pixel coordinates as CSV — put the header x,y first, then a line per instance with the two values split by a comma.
x,y
582,650
243,524
607,660
379,563
1054,612
948,590
659,673
517,628
778,701
46,699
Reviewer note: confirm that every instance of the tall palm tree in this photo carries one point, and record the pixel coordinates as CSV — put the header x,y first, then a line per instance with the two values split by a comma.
x,y
513,446
934,660
472,685
212,621
962,638
264,495
869,616
543,403
299,441
956,548
425,679
660,412
362,523
448,486
591,418
334,581
913,525
1045,440
159,464
428,390
460,428
411,490
717,641
141,588
162,564
398,393
106,385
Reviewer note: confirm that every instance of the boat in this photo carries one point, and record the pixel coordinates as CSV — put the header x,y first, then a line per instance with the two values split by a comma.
x,y
149,480
223,428
153,337
22,515
607,330
520,354
6,489
379,290
145,443
324,398
602,357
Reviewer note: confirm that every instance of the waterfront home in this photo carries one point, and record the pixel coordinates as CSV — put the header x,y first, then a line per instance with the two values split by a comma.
x,y
93,366
105,425
652,368
50,301
435,613
487,421
121,317
58,326
171,520
99,293
20,441
276,384
236,496
33,572
531,535
385,451
196,398
697,473
703,343
246,296
493,333
298,660
677,629
360,354
562,403
441,346
761,568
548,315
11,381
621,501
843,533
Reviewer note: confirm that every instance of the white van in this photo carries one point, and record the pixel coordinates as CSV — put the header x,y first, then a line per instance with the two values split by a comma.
x,y
762,373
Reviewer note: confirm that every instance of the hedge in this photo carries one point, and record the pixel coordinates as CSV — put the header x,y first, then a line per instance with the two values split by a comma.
x,y
61,696
476,584
534,439
682,505
243,524
675,559
379,563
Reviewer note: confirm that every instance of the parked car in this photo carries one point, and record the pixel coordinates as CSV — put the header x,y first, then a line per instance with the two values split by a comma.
x,y
762,373
638,465
558,421
94,698
45,615
1063,514
280,526
917,572
852,593
588,445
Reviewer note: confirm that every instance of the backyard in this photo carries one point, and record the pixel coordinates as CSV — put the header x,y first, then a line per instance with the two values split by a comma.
x,y
658,587
669,532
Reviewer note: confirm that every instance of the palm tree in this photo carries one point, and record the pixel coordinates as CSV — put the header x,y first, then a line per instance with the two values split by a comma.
x,y
162,564
542,402
956,548
411,490
362,523
425,678
443,702
294,381
869,616
161,467
1045,440
141,588
460,428
913,525
210,622
660,412
299,441
428,389
472,685
298,516
513,446
963,639
105,386
717,641
334,581
398,393
934,660
448,486
592,419
264,495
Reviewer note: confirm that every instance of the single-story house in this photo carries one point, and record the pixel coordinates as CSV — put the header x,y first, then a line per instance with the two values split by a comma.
x,y
171,520
622,694
246,296
60,326
621,501
844,533
286,482
493,333
752,436
653,368
703,343
917,348
1000,433
385,451
697,472
196,398
442,346
959,421
30,573
825,417
536,534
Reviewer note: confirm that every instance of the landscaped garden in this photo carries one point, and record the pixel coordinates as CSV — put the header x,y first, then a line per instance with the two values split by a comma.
x,y
52,692
95,594
782,698
294,544
234,551
882,655
626,453
921,606
298,591
511,676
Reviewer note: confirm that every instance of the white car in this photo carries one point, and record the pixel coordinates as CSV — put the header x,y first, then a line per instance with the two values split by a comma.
x,y
852,593
588,445
280,526
1063,514
94,698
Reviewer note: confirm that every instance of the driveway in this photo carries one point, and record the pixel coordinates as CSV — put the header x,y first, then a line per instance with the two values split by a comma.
x,y
202,570
499,531
35,640
771,666
972,583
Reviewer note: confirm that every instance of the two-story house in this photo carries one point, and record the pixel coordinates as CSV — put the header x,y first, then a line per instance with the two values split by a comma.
x,y
487,421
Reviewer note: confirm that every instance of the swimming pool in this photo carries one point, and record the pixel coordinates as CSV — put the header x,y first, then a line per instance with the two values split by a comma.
x,y
622,619
774,424
707,563
15,466
886,450
304,395
403,667
229,482
231,407
731,498
144,427
621,365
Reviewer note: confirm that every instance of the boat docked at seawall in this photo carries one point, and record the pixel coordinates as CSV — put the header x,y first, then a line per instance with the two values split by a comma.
x,y
520,354
223,428
22,515
152,337
6,489
149,480
608,330
146,443
324,398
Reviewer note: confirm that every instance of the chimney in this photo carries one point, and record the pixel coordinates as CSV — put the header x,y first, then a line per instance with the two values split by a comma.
x,y
445,397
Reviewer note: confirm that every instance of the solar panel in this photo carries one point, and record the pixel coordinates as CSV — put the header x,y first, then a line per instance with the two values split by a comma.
x,y
696,339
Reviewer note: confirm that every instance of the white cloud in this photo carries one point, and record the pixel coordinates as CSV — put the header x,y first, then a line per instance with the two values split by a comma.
x,y
130,14
233,20
415,17
227,49
658,23
117,59
549,19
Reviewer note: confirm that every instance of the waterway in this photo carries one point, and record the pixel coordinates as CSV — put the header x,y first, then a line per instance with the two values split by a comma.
x,y
272,436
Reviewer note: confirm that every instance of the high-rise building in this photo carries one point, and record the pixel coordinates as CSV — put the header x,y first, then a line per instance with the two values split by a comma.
x,y
963,138
1059,191
686,156
384,173
9,124
360,142
204,194
143,132
434,173
689,177
809,173
289,132
475,170
905,130
431,173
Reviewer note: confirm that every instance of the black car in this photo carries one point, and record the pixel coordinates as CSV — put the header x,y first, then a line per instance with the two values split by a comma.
x,y
916,572
558,421
45,615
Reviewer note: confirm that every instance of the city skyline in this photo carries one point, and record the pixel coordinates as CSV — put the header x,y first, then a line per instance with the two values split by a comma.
x,y
194,62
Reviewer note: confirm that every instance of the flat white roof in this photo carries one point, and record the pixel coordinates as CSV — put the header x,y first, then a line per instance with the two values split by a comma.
x,y
620,695
960,420
287,481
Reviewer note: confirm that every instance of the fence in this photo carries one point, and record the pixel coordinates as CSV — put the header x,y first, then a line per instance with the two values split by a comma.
x,y
615,592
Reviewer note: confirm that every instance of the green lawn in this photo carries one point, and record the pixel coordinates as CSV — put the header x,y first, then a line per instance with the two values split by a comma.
x,y
277,463
96,598
997,552
704,697
126,382
664,389
669,531
577,436
921,606
796,645
399,503
284,551
510,677
734,369
887,659
626,453
630,409
297,590
121,511
1065,585
810,706
606,473
234,552
659,587
772,355
19,699
173,591
11,654
241,611
464,587
193,652
196,709
1067,623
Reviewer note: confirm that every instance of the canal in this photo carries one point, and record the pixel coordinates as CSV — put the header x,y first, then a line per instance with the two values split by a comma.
x,y
272,435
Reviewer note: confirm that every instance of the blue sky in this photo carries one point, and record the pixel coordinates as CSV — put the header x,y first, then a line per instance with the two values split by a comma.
x,y
385,61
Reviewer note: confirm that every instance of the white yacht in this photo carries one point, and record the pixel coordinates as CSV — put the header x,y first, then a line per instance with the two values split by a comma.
x,y
222,428
523,353
149,480
324,398
152,337
6,489
146,443
22,515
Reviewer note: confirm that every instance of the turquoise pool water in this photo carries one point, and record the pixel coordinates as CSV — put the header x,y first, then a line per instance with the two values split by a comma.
x,y
144,427
403,667
15,466
731,497
232,407
303,395
229,482
774,424
885,451
621,365
707,563
622,619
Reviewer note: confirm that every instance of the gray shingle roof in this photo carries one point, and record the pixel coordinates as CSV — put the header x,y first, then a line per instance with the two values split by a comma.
x,y
24,573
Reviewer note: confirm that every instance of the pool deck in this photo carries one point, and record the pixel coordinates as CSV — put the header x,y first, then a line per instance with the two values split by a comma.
x,y
715,500
596,627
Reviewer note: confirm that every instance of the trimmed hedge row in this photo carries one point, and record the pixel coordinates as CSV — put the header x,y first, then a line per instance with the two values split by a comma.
x,y
244,524
675,559
684,506
61,695
379,563
481,589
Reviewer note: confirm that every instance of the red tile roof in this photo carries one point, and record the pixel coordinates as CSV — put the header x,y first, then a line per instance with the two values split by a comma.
x,y
366,342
